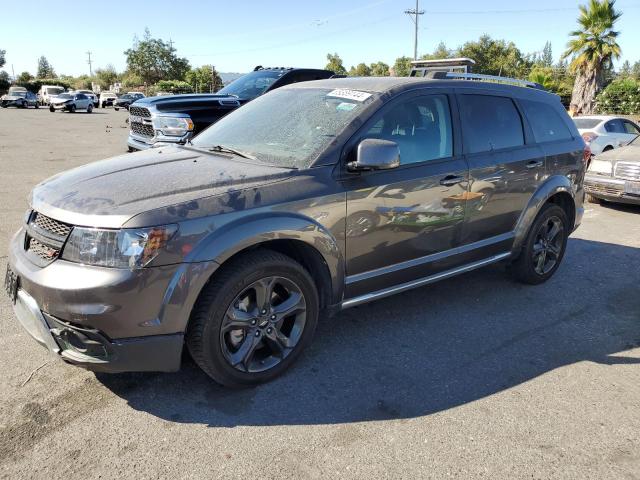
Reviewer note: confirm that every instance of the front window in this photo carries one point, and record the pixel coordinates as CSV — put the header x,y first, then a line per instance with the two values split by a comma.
x,y
19,93
287,127
252,84
54,91
65,96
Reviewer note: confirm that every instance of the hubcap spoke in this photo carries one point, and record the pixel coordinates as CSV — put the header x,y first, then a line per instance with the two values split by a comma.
x,y
278,340
294,304
244,355
541,261
264,290
237,318
553,231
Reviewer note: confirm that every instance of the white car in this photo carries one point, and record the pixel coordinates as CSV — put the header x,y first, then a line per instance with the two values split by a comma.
x,y
107,99
90,94
603,133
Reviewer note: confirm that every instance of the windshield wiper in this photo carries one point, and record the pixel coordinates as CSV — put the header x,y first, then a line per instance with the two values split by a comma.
x,y
223,149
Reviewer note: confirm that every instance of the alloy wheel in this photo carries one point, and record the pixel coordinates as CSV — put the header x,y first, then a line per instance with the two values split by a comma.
x,y
547,246
263,324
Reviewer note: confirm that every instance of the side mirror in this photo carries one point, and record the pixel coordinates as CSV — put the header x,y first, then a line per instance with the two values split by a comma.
x,y
375,154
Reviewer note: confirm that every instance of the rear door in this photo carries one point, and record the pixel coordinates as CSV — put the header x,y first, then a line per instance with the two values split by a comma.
x,y
618,132
506,167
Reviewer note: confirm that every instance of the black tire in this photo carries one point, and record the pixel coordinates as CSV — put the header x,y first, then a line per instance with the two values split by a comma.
x,y
525,269
592,199
51,109
90,108
37,106
205,338
72,109
116,108
608,148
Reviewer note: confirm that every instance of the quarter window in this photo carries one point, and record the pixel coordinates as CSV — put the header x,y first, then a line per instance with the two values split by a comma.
x,y
490,123
631,128
421,127
614,126
546,123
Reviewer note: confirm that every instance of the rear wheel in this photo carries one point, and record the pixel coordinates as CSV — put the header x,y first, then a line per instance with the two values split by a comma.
x,y
253,319
90,108
51,109
36,105
544,246
116,108
72,109
592,199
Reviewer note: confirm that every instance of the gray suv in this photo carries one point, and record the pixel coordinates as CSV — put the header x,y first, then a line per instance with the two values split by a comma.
x,y
313,198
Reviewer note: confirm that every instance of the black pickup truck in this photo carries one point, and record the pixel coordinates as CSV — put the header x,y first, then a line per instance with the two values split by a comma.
x,y
176,118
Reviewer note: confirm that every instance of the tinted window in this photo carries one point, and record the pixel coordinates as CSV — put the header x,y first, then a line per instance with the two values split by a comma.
x,y
631,128
614,126
252,84
490,123
545,121
420,126
81,96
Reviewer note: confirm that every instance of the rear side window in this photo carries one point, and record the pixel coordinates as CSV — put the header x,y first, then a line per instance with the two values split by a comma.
x,y
545,121
614,126
490,123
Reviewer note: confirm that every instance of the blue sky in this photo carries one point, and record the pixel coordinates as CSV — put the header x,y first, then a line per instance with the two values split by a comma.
x,y
236,36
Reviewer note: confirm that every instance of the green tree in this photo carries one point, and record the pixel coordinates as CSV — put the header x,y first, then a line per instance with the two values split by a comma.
x,y
24,77
105,77
131,80
379,69
546,59
440,52
496,57
152,59
402,66
2,58
45,69
620,97
543,76
5,82
173,86
204,79
361,70
334,63
625,70
635,70
83,82
592,49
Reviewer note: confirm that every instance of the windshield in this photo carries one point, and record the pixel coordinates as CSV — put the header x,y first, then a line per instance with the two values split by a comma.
x,y
126,96
287,127
65,95
18,93
587,122
54,91
252,84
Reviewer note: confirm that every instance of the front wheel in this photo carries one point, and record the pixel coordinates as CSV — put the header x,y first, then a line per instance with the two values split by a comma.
x,y
253,319
90,108
37,106
51,109
544,247
116,108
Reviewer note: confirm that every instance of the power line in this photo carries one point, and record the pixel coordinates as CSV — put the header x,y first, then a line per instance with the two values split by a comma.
x,y
415,14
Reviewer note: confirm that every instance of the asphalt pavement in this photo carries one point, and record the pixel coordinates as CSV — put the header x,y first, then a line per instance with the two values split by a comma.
x,y
474,377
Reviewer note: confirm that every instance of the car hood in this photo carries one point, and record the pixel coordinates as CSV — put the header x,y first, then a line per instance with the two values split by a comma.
x,y
13,98
60,100
628,153
110,192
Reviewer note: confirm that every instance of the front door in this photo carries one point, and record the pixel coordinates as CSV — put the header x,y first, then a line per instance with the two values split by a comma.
x,y
399,220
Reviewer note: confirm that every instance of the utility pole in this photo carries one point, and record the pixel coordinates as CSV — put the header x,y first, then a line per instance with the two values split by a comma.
x,y
415,14
89,62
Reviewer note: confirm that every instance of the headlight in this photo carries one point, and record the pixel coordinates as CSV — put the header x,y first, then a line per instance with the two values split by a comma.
x,y
126,248
173,126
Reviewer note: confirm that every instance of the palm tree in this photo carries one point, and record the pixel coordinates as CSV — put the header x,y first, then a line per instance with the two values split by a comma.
x,y
592,49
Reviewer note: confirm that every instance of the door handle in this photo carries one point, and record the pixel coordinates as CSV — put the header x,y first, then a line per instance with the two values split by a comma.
x,y
451,180
535,164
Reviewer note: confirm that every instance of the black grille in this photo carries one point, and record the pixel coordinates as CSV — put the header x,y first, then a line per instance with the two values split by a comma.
x,y
139,112
52,226
142,129
42,251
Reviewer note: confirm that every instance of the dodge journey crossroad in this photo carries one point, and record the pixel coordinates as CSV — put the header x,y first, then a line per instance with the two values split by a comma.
x,y
313,198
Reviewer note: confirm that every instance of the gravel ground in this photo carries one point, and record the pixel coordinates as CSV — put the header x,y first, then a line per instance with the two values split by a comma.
x,y
475,377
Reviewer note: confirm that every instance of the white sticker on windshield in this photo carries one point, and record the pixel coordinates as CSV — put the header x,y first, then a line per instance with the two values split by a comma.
x,y
349,94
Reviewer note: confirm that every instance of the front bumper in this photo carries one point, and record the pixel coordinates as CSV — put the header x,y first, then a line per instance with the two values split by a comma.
x,y
60,106
106,319
609,188
138,142
93,351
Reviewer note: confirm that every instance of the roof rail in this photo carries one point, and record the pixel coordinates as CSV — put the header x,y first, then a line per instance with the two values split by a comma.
x,y
494,79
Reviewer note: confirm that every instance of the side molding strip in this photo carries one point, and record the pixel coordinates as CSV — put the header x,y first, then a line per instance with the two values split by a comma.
x,y
429,258
423,281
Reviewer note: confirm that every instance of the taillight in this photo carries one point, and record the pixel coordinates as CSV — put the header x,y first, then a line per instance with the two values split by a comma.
x,y
589,137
